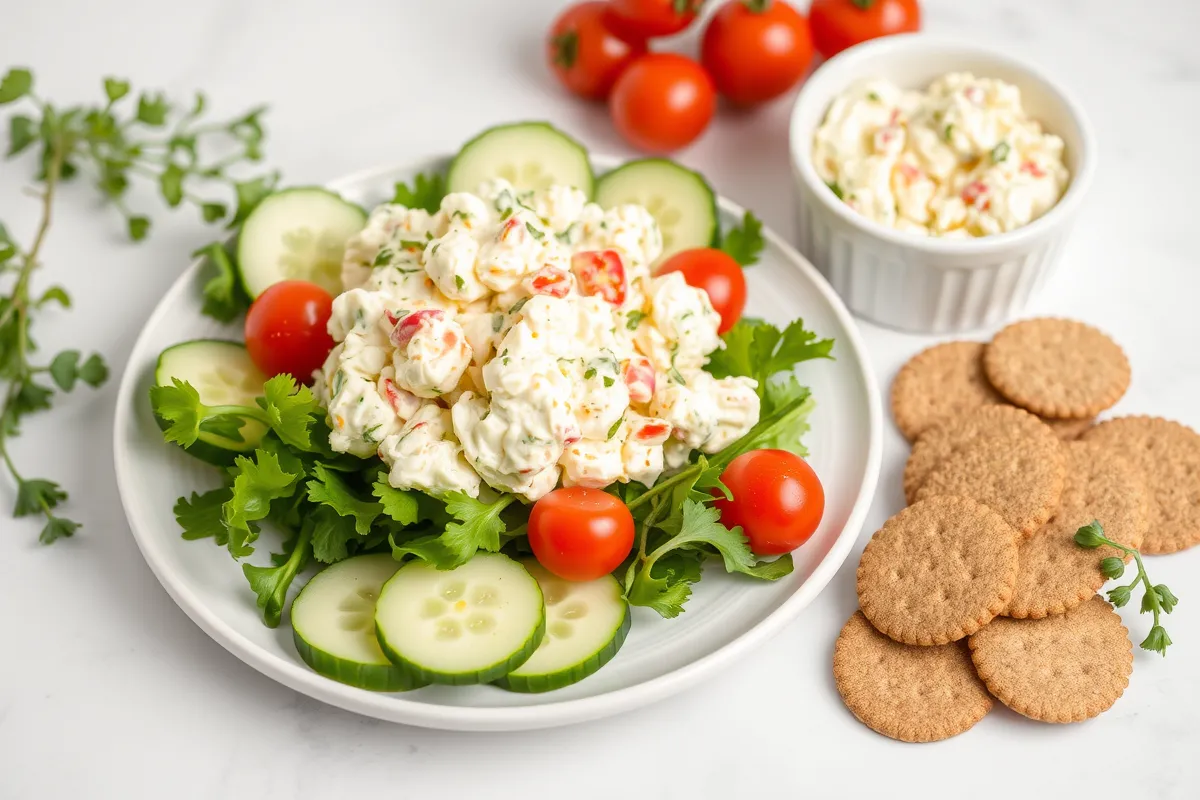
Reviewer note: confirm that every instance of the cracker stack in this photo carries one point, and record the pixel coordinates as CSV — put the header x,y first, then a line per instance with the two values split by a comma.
x,y
977,590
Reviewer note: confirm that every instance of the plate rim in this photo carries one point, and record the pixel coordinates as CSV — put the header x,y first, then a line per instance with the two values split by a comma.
x,y
299,678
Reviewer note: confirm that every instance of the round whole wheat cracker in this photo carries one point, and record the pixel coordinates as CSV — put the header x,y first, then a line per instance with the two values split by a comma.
x,y
1068,430
1054,574
939,383
1065,668
1058,368
1167,455
1021,478
940,442
914,694
938,571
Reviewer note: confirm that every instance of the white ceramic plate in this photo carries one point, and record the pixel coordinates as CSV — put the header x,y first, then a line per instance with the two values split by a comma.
x,y
726,617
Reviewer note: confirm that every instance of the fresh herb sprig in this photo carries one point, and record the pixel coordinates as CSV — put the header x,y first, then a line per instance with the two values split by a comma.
x,y
114,142
426,192
1156,598
744,242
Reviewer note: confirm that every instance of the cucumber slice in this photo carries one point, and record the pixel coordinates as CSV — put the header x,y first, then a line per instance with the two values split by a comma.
x,y
223,374
467,625
680,200
586,624
333,624
529,155
297,234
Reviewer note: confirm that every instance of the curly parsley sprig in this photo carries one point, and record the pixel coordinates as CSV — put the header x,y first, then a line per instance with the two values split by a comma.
x,y
1157,599
114,142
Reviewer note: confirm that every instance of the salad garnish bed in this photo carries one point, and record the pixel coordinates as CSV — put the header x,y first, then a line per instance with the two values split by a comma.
x,y
280,472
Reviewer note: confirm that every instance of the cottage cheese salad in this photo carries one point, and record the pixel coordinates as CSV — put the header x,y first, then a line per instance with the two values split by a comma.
x,y
519,339
959,159
529,404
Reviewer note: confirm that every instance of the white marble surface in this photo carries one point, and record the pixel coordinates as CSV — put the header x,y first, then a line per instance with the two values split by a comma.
x,y
108,690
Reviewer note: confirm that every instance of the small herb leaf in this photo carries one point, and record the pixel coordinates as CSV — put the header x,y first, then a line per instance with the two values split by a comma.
x,y
138,227
170,185
152,109
15,84
36,495
1112,567
115,89
745,242
22,132
64,369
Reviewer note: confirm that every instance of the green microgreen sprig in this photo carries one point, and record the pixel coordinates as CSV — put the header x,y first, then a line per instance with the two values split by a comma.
x,y
1157,599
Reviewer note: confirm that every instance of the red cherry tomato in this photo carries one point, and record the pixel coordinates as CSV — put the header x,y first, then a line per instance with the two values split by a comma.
x,y
756,50
777,499
286,329
838,24
586,51
645,18
662,102
580,534
600,272
716,273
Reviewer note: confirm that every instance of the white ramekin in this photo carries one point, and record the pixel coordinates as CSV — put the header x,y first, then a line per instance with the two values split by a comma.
x,y
924,284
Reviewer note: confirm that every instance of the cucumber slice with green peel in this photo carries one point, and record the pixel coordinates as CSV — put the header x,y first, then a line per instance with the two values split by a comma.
x,y
471,624
333,625
297,234
529,155
223,374
680,200
586,624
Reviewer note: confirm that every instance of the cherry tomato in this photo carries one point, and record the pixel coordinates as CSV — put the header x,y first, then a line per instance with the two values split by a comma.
x,y
285,329
580,534
716,272
586,51
662,102
777,499
756,50
645,18
838,24
600,272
